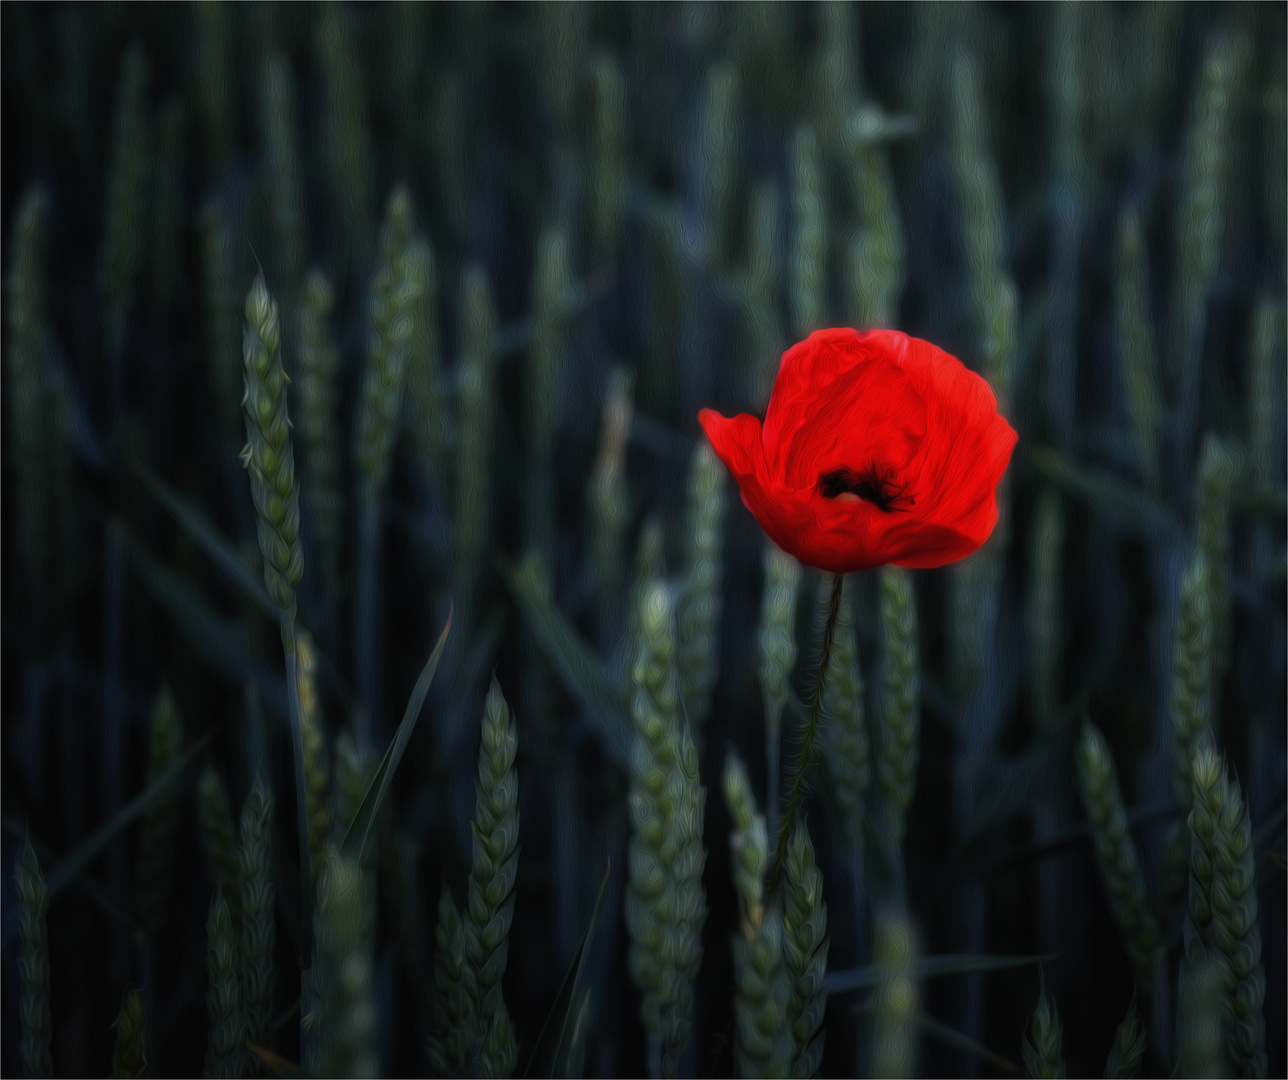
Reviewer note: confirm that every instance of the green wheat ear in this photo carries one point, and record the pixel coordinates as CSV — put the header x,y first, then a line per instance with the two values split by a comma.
x,y
1116,855
778,653
899,746
1128,1050
762,1001
214,813
1191,708
850,758
805,952
665,904
345,1019
160,821
451,1039
1222,920
1200,1048
130,1056
1042,1043
268,455
225,1046
33,965
259,932
490,909
701,600
893,1044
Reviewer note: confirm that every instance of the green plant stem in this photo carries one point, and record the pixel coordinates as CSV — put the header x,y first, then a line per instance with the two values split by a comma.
x,y
301,805
807,746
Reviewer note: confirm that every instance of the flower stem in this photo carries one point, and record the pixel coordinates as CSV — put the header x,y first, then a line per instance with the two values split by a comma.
x,y
302,815
807,746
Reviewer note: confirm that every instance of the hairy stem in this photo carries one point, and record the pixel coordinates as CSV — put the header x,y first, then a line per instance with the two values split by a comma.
x,y
807,746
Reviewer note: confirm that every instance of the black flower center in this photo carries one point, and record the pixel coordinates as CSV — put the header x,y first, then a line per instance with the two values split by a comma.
x,y
872,485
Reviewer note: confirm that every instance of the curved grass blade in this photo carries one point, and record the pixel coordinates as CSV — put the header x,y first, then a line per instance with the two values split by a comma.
x,y
1104,493
563,1035
221,642
578,666
954,1038
355,839
199,528
88,849
277,1064
928,967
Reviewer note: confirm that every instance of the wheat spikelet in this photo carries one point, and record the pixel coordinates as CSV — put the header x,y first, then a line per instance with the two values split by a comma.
x,y
490,907
1222,923
33,965
1042,1043
804,952
701,600
130,1055
345,1019
850,758
899,743
268,455
451,1038
219,840
893,1042
1116,854
777,655
665,906
1127,1052
160,820
762,996
259,933
225,1052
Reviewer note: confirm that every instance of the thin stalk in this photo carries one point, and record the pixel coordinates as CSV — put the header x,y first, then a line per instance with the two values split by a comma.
x,y
301,813
807,746
366,623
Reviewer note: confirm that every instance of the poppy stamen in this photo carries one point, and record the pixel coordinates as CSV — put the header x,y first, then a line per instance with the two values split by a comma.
x,y
871,485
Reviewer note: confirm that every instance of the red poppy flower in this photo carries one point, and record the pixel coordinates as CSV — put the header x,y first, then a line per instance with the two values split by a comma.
x,y
876,448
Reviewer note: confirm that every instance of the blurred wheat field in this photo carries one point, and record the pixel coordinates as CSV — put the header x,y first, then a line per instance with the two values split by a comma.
x,y
394,683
